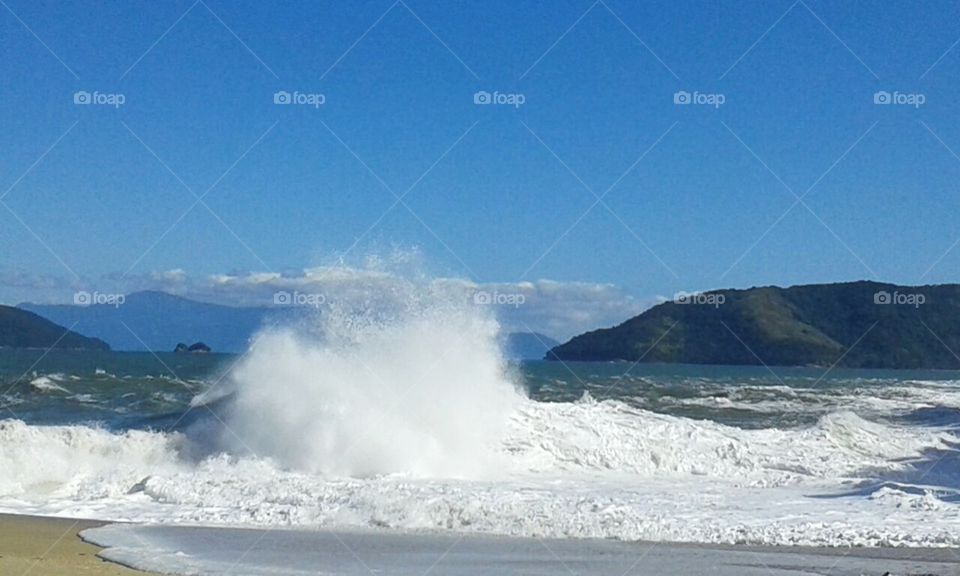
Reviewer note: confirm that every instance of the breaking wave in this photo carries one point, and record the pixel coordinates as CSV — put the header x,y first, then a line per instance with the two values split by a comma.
x,y
410,418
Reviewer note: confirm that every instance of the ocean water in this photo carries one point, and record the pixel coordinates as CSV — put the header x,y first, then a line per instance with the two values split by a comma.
x,y
420,424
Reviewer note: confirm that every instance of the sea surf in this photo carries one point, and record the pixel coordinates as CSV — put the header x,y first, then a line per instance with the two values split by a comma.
x,y
415,421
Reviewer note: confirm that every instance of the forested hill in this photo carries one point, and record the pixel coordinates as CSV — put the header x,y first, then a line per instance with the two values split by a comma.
x,y
857,324
23,329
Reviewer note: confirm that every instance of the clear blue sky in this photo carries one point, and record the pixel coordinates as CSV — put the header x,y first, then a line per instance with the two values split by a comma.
x,y
295,185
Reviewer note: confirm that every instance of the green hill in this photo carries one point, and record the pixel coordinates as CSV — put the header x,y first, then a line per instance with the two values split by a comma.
x,y
22,329
850,324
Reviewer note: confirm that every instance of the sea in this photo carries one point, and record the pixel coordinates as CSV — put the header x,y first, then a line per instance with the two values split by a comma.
x,y
423,425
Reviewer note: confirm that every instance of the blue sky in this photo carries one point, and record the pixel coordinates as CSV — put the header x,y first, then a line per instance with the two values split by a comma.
x,y
694,196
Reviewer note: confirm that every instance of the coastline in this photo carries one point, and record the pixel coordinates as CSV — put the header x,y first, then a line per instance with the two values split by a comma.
x,y
41,546
223,551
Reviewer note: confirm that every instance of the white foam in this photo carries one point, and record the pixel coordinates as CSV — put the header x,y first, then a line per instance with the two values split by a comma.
x,y
585,469
880,398
48,383
408,418
78,463
611,435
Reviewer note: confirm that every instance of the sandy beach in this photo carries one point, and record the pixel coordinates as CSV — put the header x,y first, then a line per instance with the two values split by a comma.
x,y
32,546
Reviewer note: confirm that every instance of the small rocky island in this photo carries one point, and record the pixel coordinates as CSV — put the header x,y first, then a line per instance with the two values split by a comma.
x,y
195,348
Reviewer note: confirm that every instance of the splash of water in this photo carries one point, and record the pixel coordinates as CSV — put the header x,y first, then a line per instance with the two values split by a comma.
x,y
423,391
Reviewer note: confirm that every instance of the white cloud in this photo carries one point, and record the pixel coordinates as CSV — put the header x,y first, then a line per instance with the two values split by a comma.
x,y
557,309
177,275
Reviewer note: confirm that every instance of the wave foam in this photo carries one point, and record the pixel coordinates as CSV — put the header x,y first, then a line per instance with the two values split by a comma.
x,y
412,420
48,383
79,462
612,435
584,469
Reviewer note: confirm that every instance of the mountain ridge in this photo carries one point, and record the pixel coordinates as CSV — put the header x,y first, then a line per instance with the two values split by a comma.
x,y
24,329
862,324
157,321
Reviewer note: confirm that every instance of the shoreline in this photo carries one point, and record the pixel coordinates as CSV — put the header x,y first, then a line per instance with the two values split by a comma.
x,y
48,546
359,551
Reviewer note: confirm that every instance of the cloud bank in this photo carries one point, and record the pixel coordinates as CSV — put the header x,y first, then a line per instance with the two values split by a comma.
x,y
557,309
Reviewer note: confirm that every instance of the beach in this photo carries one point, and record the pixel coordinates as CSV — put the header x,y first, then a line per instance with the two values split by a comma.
x,y
35,546
38,546
218,551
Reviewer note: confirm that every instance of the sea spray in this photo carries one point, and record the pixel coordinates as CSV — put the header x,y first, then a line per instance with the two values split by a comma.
x,y
422,391
391,406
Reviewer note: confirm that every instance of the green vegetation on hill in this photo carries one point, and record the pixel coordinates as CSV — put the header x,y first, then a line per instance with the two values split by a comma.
x,y
848,324
22,329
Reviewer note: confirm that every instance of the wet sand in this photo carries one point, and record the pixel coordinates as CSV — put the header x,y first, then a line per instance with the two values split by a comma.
x,y
231,551
31,546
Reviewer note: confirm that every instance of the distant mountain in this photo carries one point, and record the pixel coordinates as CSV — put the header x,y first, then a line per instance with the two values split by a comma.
x,y
856,324
527,345
157,321
23,329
